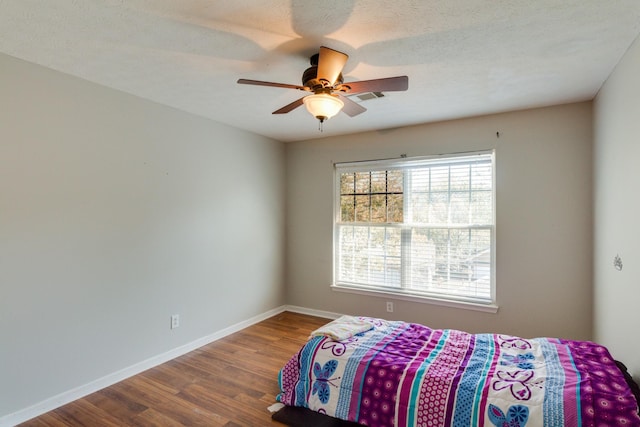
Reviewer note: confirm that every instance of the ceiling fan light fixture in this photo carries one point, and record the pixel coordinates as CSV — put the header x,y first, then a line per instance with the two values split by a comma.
x,y
323,106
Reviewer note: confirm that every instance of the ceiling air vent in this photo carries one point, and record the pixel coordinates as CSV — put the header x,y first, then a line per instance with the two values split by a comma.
x,y
370,95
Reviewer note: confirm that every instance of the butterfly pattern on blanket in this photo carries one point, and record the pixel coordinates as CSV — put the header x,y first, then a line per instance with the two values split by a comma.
x,y
405,374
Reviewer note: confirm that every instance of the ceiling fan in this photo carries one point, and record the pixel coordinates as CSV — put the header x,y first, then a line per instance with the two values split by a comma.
x,y
324,80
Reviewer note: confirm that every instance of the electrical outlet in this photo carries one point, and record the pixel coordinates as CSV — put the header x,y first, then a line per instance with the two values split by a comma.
x,y
390,306
175,321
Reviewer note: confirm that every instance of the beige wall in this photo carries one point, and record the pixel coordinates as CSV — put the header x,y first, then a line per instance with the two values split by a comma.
x,y
544,220
116,213
617,211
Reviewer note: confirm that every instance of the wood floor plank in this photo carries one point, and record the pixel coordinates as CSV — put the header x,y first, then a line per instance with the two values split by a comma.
x,y
83,413
115,403
228,383
152,418
49,419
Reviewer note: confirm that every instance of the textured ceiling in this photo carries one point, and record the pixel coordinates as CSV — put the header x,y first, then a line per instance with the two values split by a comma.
x,y
463,57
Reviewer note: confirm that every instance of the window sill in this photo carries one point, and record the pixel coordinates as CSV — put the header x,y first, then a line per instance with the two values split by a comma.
x,y
405,296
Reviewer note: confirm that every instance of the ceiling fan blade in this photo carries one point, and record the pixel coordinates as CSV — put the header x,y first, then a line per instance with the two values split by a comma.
x,y
388,84
330,64
351,108
261,83
295,104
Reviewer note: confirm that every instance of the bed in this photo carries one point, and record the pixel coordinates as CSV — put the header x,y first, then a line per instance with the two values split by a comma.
x,y
391,373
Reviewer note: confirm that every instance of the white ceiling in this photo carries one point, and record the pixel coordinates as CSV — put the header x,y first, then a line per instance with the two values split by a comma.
x,y
463,57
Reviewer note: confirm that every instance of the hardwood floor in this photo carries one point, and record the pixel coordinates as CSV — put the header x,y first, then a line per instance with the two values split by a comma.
x,y
230,382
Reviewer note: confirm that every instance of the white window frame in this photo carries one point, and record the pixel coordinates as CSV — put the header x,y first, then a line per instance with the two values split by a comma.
x,y
402,293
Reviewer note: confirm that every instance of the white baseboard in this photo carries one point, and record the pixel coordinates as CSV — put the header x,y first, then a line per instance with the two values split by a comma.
x,y
108,380
312,312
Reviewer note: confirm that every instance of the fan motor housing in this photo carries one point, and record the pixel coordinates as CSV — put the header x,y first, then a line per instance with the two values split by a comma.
x,y
310,79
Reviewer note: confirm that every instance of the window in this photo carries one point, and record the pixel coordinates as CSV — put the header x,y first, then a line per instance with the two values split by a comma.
x,y
417,227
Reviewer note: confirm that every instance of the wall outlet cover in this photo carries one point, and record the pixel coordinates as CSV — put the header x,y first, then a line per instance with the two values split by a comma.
x,y
175,321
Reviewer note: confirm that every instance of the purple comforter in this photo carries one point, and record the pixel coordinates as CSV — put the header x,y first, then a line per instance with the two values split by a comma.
x,y
403,374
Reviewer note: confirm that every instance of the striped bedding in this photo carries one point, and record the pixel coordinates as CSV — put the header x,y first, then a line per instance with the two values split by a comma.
x,y
405,374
